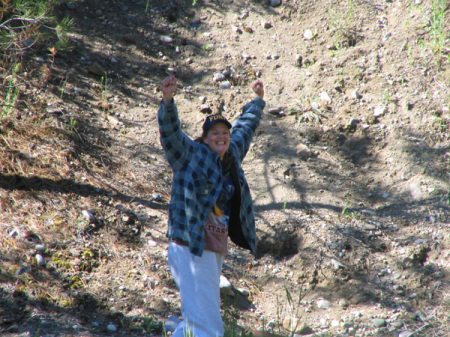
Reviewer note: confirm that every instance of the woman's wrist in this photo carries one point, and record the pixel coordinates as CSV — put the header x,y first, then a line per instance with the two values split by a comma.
x,y
167,99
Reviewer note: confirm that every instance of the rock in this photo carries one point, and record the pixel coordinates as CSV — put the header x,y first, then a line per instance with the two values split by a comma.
x,y
218,77
355,95
171,324
308,34
335,323
303,151
225,287
40,260
96,69
304,330
246,56
111,328
157,197
152,243
266,25
352,124
343,303
274,110
225,85
236,29
358,298
206,109
380,111
336,264
89,216
416,191
323,304
166,39
275,3
244,292
406,333
325,97
396,324
379,322
40,248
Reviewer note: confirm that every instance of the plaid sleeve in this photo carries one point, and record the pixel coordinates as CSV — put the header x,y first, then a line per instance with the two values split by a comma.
x,y
176,144
245,126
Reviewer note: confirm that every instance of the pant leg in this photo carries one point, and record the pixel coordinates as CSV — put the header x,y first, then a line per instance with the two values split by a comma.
x,y
198,279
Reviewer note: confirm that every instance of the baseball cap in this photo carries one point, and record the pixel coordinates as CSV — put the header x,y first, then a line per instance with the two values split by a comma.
x,y
213,119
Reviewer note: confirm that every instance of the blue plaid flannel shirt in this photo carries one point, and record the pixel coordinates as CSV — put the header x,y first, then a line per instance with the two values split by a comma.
x,y
197,175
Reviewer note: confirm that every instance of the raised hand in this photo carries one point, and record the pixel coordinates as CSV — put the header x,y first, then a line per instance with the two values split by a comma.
x,y
258,88
168,88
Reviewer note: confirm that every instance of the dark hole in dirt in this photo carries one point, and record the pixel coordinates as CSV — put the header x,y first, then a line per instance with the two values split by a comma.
x,y
279,246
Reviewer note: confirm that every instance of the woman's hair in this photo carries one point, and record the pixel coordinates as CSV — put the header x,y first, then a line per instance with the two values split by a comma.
x,y
200,139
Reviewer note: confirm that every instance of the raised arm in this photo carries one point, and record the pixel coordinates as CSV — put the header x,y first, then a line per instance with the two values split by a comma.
x,y
177,146
245,126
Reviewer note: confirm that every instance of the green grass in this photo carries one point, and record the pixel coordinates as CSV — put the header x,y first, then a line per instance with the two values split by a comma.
x,y
437,25
12,93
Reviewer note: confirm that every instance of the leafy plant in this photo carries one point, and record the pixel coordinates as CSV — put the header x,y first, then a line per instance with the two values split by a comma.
x,y
72,124
24,23
151,324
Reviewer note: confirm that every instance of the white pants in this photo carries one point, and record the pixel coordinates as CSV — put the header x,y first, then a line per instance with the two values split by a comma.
x,y
198,279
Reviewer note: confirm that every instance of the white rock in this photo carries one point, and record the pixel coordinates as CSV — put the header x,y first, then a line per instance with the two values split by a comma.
x,y
244,292
40,260
380,111
323,304
166,39
416,191
225,286
335,323
40,248
88,215
218,77
325,97
152,243
225,85
308,34
336,264
355,95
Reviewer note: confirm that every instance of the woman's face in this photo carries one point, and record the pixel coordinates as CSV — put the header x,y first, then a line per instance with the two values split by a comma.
x,y
218,139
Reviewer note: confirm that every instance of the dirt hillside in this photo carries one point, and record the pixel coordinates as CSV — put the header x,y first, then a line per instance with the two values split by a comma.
x,y
349,169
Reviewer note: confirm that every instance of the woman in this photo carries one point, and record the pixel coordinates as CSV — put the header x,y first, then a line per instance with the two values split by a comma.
x,y
210,201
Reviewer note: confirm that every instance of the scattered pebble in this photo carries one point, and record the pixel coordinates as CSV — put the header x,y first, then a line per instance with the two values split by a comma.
x,y
171,324
40,260
111,328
